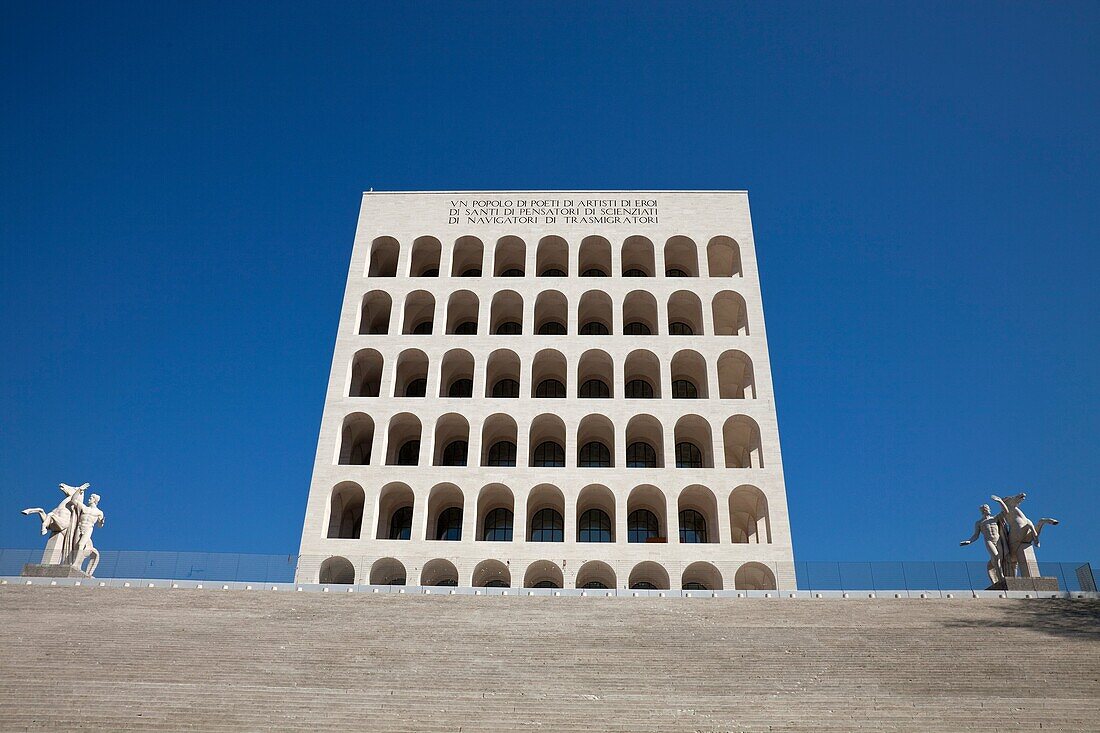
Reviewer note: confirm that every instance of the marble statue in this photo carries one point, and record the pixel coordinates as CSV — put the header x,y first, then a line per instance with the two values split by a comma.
x,y
69,526
1010,539
1021,534
988,527
89,516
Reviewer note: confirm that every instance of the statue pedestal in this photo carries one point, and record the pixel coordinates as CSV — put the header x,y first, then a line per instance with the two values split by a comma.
x,y
40,570
1027,584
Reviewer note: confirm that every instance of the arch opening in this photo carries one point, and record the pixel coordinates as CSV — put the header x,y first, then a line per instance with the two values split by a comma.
x,y
336,571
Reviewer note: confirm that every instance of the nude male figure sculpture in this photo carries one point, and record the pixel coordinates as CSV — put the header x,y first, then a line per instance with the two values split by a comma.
x,y
89,516
989,529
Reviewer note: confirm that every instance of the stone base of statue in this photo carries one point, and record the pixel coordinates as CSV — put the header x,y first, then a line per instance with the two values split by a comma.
x,y
1027,584
40,570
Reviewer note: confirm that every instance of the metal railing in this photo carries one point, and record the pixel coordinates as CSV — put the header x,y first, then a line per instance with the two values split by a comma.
x,y
926,575
809,576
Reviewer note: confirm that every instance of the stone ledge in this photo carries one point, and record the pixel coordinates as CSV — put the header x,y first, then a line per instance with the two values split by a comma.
x,y
415,590
1039,584
40,570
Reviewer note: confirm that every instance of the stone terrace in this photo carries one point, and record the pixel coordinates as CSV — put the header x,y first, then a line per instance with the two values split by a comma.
x,y
105,658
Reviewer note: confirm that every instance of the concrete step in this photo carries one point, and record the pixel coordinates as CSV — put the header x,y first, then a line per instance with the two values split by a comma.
x,y
140,659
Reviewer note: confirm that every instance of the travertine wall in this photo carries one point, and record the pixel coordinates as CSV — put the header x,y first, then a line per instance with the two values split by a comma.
x,y
114,659
744,549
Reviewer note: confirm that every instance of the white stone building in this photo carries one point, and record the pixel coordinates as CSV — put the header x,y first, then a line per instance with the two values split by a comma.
x,y
551,389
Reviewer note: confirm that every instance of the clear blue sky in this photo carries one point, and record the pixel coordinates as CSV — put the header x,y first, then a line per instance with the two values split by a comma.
x,y
180,184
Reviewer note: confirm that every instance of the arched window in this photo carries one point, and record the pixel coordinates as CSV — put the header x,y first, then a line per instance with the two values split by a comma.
x,y
593,272
550,388
637,328
684,389
594,584
512,272
416,388
547,526
553,272
401,523
509,328
643,585
694,586
498,526
449,525
468,254
461,388
502,453
594,328
595,389
496,584
455,453
594,454
430,272
693,527
679,328
642,526
506,388
423,329
552,328
546,584
466,328
640,455
409,453
639,389
675,272
688,455
594,526
634,272
549,454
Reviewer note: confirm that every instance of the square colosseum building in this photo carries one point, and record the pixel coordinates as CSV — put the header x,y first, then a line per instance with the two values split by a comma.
x,y
551,389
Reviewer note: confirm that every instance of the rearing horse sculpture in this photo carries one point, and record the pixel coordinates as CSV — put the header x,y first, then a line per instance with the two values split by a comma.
x,y
1020,531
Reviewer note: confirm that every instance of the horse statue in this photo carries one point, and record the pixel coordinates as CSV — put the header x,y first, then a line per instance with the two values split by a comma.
x,y
1020,531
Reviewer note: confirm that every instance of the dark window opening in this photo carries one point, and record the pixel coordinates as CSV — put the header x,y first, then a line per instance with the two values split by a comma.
x,y
461,388
506,388
594,454
594,389
449,525
640,455
409,453
549,454
550,388
594,526
502,453
693,527
455,453
642,526
594,328
401,523
498,526
547,526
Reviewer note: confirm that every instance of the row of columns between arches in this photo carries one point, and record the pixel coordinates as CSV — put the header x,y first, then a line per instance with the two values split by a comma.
x,y
595,443
553,256
549,314
595,516
594,574
687,375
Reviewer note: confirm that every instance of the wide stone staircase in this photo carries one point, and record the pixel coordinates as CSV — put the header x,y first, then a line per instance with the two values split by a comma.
x,y
106,658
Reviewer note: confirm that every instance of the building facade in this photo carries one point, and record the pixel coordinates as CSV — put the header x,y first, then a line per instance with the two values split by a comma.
x,y
542,389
